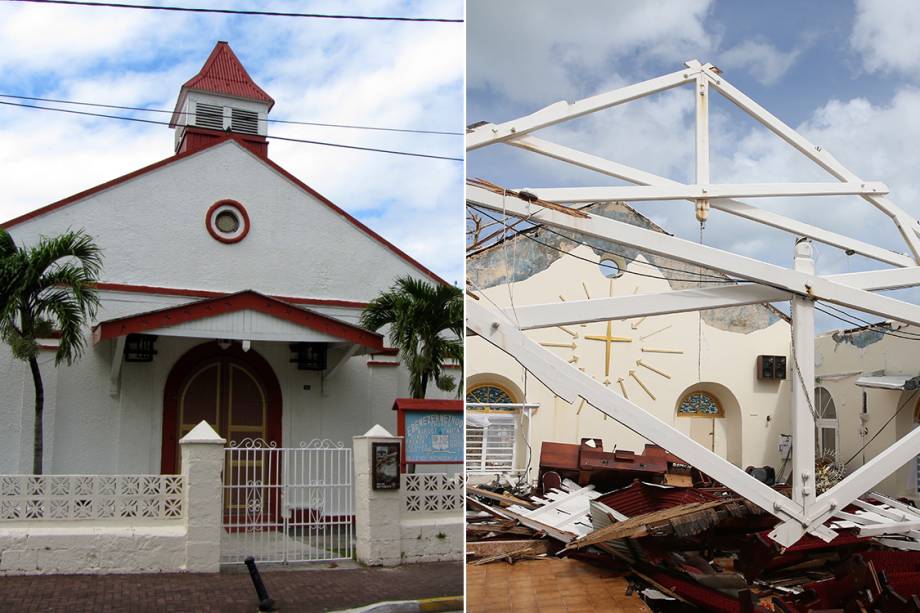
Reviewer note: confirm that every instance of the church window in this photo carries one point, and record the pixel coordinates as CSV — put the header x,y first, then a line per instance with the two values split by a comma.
x,y
611,268
826,425
491,433
700,404
227,221
489,394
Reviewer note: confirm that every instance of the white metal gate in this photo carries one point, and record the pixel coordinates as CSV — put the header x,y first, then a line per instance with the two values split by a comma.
x,y
287,504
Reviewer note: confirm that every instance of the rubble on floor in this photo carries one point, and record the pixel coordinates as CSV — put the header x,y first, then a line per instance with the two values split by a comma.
x,y
690,544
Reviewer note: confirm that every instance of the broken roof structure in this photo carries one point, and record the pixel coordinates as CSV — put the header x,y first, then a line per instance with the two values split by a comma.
x,y
759,282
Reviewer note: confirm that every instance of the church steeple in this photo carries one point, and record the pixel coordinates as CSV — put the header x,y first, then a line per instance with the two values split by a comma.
x,y
221,98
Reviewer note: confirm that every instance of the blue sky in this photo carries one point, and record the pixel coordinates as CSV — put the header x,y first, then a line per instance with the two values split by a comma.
x,y
370,73
843,73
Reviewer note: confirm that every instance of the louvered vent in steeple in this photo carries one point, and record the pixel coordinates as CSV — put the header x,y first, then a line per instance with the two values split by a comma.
x,y
245,122
209,116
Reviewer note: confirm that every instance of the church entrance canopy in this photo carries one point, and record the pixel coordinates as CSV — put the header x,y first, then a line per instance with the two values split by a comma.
x,y
244,316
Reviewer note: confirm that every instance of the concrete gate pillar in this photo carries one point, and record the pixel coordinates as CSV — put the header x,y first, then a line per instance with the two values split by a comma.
x,y
377,526
202,466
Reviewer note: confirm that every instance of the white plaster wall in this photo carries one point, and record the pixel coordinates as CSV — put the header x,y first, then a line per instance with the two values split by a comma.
x,y
86,547
433,538
152,232
839,363
726,358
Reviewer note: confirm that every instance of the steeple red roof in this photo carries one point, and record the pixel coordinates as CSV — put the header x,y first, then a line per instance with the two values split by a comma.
x,y
223,74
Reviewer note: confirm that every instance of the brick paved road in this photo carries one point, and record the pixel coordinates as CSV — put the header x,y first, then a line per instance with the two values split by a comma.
x,y
293,590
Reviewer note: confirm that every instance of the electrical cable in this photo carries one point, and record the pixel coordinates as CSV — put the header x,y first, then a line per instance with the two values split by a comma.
x,y
284,138
187,9
878,326
890,419
267,120
627,258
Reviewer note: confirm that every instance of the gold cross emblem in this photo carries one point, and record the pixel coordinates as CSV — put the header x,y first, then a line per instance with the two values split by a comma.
x,y
608,339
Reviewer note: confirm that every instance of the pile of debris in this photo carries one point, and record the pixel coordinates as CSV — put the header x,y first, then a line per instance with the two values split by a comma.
x,y
690,544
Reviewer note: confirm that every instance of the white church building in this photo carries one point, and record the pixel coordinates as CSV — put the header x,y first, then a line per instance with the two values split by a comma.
x,y
231,292
697,371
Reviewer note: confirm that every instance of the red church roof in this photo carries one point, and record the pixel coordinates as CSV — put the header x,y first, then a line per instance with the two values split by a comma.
x,y
223,74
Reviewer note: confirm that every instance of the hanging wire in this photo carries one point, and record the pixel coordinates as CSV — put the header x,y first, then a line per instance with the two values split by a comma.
x,y
509,270
890,419
526,234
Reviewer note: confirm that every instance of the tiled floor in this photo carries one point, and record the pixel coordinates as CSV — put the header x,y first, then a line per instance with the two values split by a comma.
x,y
547,586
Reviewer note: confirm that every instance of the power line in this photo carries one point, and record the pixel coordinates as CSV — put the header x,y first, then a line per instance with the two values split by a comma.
x,y
284,138
885,425
590,261
712,278
879,326
875,327
187,9
283,121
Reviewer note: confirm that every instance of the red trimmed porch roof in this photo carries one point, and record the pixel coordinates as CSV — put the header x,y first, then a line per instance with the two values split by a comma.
x,y
427,404
245,300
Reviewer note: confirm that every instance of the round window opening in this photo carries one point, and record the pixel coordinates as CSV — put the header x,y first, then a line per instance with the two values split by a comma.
x,y
227,221
610,268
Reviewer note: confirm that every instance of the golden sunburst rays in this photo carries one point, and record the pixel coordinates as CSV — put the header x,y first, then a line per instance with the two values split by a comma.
x,y
641,383
653,369
643,364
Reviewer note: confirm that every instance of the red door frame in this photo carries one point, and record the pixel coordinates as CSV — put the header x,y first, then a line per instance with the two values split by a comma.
x,y
188,364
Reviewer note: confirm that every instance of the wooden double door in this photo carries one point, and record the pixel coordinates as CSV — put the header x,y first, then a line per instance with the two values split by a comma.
x,y
236,392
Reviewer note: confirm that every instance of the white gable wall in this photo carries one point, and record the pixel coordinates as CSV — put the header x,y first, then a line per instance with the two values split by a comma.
x,y
152,232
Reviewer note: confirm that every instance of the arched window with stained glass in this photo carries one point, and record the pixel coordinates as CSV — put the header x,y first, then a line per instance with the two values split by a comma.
x,y
489,393
491,431
700,404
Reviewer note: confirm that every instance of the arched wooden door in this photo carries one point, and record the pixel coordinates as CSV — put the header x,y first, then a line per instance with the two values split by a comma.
x,y
236,392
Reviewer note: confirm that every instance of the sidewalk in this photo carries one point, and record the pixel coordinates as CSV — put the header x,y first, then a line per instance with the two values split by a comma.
x,y
293,590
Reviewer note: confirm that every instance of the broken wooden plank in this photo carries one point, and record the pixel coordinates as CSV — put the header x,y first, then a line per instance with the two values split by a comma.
x,y
503,498
638,525
488,549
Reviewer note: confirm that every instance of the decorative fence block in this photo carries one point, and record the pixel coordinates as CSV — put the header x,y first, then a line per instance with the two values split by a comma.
x,y
433,492
69,497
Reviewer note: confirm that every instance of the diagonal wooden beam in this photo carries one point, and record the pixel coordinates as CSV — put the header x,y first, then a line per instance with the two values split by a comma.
x,y
732,207
701,255
905,223
558,112
568,383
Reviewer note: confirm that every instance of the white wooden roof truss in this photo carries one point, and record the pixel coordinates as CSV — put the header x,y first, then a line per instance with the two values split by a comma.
x,y
805,512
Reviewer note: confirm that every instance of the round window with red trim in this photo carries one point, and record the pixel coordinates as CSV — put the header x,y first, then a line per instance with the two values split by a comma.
x,y
227,221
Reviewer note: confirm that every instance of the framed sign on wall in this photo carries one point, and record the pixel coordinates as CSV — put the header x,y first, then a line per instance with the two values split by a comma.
x,y
432,430
385,458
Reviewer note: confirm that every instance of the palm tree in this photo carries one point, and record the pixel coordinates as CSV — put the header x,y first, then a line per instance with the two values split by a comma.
x,y
426,324
45,289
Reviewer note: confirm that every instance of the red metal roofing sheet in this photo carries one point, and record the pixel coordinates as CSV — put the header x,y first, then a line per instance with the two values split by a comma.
x,y
223,73
638,498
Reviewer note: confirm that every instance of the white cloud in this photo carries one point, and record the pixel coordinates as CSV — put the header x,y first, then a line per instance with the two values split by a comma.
x,y
539,51
764,61
885,34
400,75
